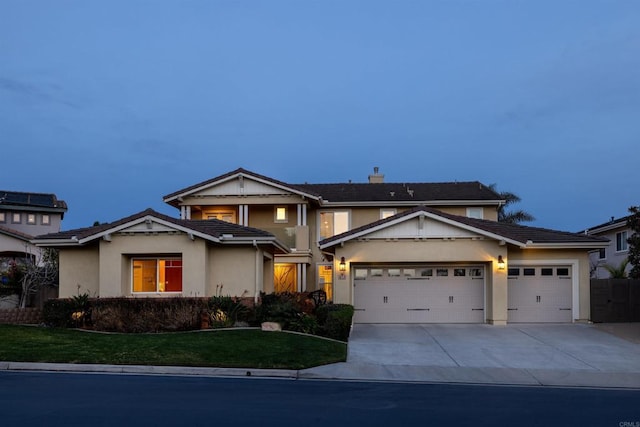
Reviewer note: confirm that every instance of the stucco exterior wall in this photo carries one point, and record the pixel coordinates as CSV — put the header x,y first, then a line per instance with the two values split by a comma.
x,y
115,261
79,271
557,257
235,270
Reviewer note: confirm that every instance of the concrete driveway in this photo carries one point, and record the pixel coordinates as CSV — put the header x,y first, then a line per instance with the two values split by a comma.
x,y
567,347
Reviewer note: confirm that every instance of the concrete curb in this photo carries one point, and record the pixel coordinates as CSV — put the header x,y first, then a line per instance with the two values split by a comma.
x,y
365,372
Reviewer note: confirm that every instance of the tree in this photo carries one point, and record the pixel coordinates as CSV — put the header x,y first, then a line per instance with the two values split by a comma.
x,y
633,222
38,273
619,272
514,216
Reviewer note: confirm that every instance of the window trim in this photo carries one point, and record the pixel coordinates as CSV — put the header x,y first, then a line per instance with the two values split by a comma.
x,y
45,219
621,243
156,259
479,212
286,215
3,217
13,218
32,219
333,211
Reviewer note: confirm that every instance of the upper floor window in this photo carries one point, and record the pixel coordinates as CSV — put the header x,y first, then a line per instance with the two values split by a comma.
x,y
3,217
621,241
386,213
602,253
332,223
475,213
31,218
281,214
16,218
227,216
45,219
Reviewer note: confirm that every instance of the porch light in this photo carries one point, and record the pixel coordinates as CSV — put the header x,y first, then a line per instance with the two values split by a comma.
x,y
343,265
501,263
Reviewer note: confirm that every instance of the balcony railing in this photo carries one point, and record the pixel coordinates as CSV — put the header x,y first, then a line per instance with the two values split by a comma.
x,y
293,237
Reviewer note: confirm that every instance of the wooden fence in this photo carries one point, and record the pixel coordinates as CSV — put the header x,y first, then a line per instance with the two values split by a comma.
x,y
615,300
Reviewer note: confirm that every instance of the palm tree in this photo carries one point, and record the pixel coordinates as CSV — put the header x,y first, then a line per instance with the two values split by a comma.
x,y
619,272
511,217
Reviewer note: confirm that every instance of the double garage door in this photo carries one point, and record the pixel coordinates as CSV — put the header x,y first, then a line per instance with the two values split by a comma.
x,y
539,294
419,294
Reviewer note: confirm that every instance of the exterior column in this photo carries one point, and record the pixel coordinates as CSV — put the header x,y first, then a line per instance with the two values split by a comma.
x,y
183,212
188,212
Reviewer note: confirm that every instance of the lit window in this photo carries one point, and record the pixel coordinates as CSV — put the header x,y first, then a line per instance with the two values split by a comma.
x,y
157,275
46,220
16,218
386,213
281,214
3,218
332,223
475,213
31,219
621,241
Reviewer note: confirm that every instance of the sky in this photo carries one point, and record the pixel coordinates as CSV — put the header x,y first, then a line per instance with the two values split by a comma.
x,y
113,104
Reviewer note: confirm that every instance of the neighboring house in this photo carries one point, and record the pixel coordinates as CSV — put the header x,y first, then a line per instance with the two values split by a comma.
x,y
399,252
617,232
23,216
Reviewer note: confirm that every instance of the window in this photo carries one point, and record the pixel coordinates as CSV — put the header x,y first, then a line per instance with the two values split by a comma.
x,y
332,223
475,213
513,272
546,271
621,241
529,271
16,218
564,271
3,217
393,272
442,272
426,272
475,272
459,272
31,218
361,273
281,214
386,213
157,275
325,279
227,216
602,253
45,219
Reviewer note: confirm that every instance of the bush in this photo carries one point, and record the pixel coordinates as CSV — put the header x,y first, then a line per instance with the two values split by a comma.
x,y
227,311
58,313
335,321
135,315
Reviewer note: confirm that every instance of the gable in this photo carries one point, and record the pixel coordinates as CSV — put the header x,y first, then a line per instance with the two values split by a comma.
x,y
149,226
421,227
241,186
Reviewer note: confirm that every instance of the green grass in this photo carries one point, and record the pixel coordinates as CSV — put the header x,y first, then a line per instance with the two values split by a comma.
x,y
247,348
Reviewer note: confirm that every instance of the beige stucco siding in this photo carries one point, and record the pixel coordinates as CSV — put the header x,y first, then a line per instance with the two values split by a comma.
x,y
562,256
235,270
79,271
115,261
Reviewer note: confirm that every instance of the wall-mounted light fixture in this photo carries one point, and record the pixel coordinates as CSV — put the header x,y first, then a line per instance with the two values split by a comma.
x,y
501,263
343,265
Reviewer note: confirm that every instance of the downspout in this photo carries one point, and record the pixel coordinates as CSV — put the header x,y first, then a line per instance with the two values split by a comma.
x,y
257,268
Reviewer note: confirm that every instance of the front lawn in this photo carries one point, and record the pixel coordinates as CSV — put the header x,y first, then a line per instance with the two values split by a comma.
x,y
240,348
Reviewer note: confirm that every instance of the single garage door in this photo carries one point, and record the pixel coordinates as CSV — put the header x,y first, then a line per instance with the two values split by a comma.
x,y
539,294
423,294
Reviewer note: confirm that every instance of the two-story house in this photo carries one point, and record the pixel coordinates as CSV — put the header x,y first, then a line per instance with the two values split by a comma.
x,y
23,216
399,252
617,232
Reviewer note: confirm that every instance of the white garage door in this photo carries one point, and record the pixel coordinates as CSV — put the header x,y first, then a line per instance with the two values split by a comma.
x,y
426,294
539,294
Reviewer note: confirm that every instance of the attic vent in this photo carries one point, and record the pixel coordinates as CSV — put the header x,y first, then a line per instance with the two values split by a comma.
x,y
410,192
392,193
227,236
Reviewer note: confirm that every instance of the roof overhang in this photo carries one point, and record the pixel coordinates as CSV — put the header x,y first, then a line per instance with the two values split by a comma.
x,y
412,203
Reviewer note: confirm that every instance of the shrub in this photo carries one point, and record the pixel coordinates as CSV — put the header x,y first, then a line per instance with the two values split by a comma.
x,y
147,314
227,311
305,323
335,321
58,313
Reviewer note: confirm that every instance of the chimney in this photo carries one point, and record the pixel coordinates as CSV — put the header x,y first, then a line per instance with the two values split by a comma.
x,y
376,178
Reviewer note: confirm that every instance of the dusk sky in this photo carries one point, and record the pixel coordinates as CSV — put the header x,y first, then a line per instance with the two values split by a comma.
x,y
113,104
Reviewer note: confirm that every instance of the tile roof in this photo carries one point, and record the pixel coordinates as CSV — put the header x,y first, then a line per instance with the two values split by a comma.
x,y
211,227
416,193
518,233
15,233
42,200
402,192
